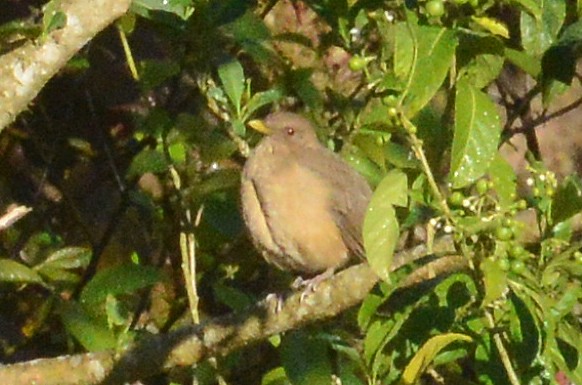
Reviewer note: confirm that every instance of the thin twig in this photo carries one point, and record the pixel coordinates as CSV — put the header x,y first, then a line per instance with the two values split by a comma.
x,y
513,379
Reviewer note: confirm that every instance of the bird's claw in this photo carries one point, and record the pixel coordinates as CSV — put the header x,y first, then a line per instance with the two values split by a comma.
x,y
310,285
277,299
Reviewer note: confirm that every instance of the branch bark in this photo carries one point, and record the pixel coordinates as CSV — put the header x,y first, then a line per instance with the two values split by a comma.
x,y
25,70
220,336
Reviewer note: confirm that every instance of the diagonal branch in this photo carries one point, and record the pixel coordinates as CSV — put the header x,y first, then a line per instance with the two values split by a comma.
x,y
25,70
219,336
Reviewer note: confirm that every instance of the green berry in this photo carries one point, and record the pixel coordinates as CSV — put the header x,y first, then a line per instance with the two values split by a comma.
x,y
504,263
357,63
456,198
435,8
517,251
390,100
503,233
517,266
482,186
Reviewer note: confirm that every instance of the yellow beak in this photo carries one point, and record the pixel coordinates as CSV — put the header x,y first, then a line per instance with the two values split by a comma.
x,y
259,126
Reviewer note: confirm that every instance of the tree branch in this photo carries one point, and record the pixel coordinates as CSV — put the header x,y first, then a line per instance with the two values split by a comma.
x,y
216,337
25,70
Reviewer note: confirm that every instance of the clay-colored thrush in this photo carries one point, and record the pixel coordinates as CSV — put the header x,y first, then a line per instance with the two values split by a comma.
x,y
303,205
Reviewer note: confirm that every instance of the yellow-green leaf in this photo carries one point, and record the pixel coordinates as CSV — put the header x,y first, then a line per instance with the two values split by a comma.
x,y
492,25
426,355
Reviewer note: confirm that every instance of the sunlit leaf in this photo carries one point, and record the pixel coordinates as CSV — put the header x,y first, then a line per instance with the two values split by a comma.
x,y
477,132
539,33
531,6
480,59
68,258
504,182
494,279
432,57
426,355
15,272
275,376
494,26
232,77
381,228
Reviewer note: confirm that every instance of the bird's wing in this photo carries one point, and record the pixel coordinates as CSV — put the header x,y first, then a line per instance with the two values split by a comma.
x,y
350,198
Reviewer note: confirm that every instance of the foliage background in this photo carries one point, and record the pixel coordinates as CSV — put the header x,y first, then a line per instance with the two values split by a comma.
x,y
130,158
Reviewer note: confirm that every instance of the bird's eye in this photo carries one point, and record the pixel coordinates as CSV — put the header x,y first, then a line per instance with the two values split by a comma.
x,y
290,131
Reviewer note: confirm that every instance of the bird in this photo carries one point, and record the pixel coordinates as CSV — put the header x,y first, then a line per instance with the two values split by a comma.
x,y
303,205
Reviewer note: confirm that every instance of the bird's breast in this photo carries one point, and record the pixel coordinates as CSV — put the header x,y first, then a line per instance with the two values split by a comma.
x,y
299,231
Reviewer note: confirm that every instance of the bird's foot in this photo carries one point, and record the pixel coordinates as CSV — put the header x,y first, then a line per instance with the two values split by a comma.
x,y
310,285
275,300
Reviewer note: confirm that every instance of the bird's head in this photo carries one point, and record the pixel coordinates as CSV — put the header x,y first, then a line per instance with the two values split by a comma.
x,y
288,127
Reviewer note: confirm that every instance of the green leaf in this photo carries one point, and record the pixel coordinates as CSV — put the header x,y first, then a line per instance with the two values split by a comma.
x,y
376,337
538,34
149,160
567,302
261,99
154,72
232,77
504,182
300,82
232,297
92,334
494,280
275,376
368,309
572,35
14,272
381,230
524,61
400,156
177,152
68,258
371,145
239,127
525,335
123,279
494,26
403,50
477,132
479,59
53,18
426,355
362,164
568,199
531,6
433,56
181,8
375,114
305,359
